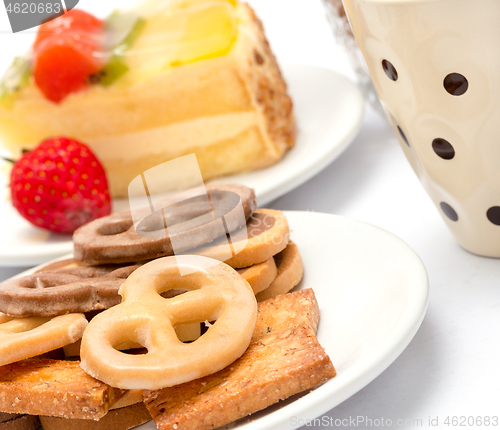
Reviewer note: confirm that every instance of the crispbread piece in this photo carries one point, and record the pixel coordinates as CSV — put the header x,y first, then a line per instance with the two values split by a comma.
x,y
118,419
283,359
289,310
54,387
21,422
6,417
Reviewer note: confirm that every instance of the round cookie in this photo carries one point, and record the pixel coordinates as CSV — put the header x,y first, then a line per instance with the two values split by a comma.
x,y
290,271
260,275
268,234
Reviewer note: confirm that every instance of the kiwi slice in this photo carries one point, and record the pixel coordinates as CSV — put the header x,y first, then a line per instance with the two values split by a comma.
x,y
121,31
15,78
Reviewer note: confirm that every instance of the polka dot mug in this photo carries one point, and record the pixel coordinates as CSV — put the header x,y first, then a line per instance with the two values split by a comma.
x,y
436,67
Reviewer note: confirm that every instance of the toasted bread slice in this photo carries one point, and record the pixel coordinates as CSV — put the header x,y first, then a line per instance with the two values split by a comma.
x,y
54,387
118,419
284,358
21,422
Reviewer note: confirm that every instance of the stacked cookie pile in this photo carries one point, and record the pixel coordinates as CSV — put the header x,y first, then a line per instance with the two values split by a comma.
x,y
163,339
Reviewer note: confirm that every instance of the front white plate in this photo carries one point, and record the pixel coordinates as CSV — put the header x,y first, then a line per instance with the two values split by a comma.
x,y
329,109
372,291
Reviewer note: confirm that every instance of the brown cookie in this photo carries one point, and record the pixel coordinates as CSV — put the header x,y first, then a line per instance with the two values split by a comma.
x,y
62,291
184,219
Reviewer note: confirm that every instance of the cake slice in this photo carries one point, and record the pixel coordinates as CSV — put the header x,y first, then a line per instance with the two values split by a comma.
x,y
199,77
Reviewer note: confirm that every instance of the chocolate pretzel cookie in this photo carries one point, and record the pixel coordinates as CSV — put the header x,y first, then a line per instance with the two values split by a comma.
x,y
182,219
62,291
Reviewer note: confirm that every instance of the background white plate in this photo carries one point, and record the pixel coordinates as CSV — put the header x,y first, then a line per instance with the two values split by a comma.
x,y
372,291
329,109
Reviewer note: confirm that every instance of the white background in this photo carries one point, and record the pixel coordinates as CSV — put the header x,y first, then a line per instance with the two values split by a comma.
x,y
451,367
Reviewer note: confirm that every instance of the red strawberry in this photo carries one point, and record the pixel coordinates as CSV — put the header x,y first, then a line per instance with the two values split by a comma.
x,y
66,54
60,185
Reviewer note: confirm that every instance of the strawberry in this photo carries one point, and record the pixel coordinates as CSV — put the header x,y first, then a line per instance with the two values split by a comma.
x,y
66,54
60,185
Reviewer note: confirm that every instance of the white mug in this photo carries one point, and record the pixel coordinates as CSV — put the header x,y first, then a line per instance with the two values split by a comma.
x,y
436,67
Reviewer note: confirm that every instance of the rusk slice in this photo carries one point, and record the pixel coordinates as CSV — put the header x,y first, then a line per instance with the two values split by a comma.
x,y
118,419
283,359
7,417
56,388
22,422
231,110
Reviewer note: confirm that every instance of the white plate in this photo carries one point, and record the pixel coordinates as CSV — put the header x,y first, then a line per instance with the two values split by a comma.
x,y
329,109
372,291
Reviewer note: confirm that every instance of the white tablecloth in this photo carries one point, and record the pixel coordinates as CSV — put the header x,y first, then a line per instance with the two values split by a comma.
x,y
451,367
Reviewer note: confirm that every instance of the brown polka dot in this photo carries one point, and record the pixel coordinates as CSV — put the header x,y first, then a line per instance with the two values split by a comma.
x,y
403,135
449,211
390,70
443,148
493,215
456,84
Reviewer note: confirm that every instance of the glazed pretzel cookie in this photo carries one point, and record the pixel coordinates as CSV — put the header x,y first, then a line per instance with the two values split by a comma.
x,y
215,292
268,234
22,338
62,291
113,239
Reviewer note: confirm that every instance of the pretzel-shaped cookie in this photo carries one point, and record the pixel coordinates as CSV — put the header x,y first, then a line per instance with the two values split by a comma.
x,y
75,289
113,239
22,338
215,292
